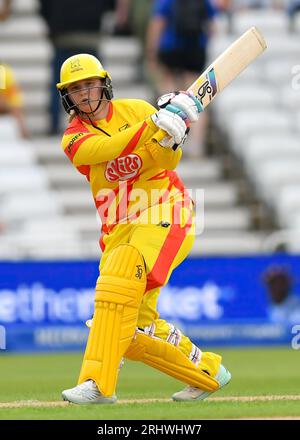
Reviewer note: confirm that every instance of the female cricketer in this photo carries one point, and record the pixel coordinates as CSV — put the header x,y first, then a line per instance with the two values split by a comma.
x,y
147,230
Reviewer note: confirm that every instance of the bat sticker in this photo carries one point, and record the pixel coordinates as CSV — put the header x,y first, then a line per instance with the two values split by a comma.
x,y
209,87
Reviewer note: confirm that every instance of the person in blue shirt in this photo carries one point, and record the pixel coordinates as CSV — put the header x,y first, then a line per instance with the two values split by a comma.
x,y
284,306
176,52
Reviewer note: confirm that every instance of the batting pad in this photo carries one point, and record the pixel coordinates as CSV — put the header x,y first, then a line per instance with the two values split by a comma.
x,y
168,358
119,292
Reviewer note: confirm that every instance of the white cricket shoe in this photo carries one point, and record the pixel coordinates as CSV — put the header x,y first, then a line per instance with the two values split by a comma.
x,y
191,393
86,392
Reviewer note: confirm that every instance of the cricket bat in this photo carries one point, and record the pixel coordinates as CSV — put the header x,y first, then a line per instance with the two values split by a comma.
x,y
225,68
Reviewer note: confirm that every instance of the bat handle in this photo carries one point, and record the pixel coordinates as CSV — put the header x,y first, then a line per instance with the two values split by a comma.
x,y
159,135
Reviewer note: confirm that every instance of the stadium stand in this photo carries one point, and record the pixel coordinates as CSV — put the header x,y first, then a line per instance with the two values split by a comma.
x,y
263,135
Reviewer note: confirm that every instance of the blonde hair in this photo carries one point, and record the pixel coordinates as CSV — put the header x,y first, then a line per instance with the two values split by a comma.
x,y
72,115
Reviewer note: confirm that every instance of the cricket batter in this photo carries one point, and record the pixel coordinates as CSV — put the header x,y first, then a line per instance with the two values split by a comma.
x,y
147,230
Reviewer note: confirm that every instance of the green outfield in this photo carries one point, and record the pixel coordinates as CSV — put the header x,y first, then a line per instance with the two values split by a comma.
x,y
265,384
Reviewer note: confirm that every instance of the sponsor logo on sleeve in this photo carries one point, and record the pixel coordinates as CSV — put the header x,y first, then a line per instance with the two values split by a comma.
x,y
73,140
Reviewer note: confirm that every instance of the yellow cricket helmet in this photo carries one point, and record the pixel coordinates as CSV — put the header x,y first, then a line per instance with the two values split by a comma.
x,y
78,67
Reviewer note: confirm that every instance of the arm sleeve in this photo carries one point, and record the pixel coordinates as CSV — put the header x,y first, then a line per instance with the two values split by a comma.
x,y
164,157
91,149
86,148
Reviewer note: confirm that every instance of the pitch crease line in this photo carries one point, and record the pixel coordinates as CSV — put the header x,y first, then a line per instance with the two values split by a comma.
x,y
49,404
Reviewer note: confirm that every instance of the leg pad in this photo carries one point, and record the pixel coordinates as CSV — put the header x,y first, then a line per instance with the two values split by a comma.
x,y
169,359
119,292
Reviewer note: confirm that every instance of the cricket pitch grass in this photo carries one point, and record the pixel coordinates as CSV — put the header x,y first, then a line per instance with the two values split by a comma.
x,y
265,385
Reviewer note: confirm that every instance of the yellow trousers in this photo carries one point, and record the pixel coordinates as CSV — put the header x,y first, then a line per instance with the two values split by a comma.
x,y
164,243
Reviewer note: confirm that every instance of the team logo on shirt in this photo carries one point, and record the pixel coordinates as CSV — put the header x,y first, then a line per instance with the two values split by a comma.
x,y
123,168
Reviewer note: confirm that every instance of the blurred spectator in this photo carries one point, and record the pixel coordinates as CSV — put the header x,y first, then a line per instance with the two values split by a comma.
x,y
222,5
284,304
176,47
5,9
293,7
11,100
293,10
74,28
135,14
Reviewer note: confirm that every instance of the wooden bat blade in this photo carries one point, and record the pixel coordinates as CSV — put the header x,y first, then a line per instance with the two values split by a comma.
x,y
228,65
225,68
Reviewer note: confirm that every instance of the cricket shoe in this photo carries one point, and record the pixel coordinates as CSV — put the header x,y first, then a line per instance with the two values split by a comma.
x,y
191,393
85,393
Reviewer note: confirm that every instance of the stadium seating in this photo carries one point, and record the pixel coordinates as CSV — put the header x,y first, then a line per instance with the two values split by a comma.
x,y
263,127
21,178
269,21
37,52
29,205
9,156
19,25
8,129
28,7
288,205
268,146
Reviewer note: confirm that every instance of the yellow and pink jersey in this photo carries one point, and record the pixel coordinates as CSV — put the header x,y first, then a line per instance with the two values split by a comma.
x,y
128,172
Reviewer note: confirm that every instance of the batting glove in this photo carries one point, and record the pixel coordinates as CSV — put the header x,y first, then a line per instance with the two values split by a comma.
x,y
185,101
175,122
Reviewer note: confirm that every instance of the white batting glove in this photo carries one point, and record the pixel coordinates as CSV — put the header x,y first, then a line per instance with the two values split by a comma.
x,y
175,122
185,101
